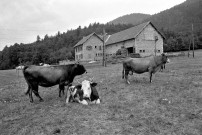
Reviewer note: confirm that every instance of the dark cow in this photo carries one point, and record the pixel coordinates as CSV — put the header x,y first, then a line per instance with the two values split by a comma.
x,y
47,76
149,64
86,91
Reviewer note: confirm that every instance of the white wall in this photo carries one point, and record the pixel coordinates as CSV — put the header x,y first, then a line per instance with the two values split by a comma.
x,y
145,41
89,55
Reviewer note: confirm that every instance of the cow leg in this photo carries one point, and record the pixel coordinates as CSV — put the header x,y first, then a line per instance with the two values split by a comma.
x,y
126,76
28,89
30,96
61,88
37,95
69,97
150,77
35,90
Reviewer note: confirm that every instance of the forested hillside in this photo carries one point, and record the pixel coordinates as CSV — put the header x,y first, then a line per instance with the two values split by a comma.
x,y
176,23
52,49
181,17
134,19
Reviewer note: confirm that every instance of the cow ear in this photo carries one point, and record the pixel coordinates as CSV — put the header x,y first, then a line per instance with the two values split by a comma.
x,y
93,84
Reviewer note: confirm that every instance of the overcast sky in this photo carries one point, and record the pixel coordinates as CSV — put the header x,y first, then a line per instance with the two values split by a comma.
x,y
22,20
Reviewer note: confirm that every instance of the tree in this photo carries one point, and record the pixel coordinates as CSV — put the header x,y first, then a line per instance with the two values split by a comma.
x,y
38,38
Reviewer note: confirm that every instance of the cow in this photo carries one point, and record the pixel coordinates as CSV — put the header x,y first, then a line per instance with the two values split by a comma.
x,y
18,68
149,64
47,76
43,64
81,93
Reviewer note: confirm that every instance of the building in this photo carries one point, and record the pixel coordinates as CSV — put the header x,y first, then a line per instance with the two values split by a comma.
x,y
89,48
144,39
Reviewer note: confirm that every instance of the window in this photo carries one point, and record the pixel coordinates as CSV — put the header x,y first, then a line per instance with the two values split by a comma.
x,y
143,51
100,47
79,48
89,48
140,51
159,51
95,47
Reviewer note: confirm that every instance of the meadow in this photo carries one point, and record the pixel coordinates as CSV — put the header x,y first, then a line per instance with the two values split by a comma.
x,y
170,105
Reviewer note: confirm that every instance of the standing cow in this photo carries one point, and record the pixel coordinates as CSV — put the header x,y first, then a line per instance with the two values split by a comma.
x,y
86,91
47,76
149,64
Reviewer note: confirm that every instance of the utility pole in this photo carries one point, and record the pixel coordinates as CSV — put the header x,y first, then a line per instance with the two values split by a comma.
x,y
193,38
189,47
156,39
104,59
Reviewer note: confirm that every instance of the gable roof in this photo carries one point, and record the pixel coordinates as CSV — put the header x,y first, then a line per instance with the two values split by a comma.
x,y
84,39
130,33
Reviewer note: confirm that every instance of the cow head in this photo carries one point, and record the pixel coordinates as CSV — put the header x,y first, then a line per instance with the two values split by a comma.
x,y
79,69
83,92
87,88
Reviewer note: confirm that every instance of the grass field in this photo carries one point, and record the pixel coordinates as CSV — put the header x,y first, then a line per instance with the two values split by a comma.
x,y
170,105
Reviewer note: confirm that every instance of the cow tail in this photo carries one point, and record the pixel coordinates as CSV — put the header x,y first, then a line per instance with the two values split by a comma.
x,y
123,72
25,76
24,70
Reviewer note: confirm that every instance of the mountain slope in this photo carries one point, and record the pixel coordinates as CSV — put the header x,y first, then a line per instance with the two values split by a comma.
x,y
130,19
180,17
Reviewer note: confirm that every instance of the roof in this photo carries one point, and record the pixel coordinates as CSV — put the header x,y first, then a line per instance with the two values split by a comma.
x,y
84,39
128,34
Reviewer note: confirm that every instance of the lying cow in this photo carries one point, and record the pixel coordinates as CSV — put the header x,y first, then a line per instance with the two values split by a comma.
x,y
149,64
47,76
86,91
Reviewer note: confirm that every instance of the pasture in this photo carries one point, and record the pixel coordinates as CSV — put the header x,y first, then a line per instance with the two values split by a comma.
x,y
171,104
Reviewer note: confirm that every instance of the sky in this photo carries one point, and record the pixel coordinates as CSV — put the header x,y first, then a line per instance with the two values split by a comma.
x,y
22,20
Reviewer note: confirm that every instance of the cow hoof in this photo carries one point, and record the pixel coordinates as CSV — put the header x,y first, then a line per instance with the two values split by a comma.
x,y
98,101
84,102
67,101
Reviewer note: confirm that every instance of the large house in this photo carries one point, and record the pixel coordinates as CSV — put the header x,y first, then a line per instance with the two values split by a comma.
x,y
144,39
89,48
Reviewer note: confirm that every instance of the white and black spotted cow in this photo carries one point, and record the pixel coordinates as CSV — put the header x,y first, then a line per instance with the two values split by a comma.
x,y
86,91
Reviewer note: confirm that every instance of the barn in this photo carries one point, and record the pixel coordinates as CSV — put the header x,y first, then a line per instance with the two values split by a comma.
x,y
144,39
89,48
